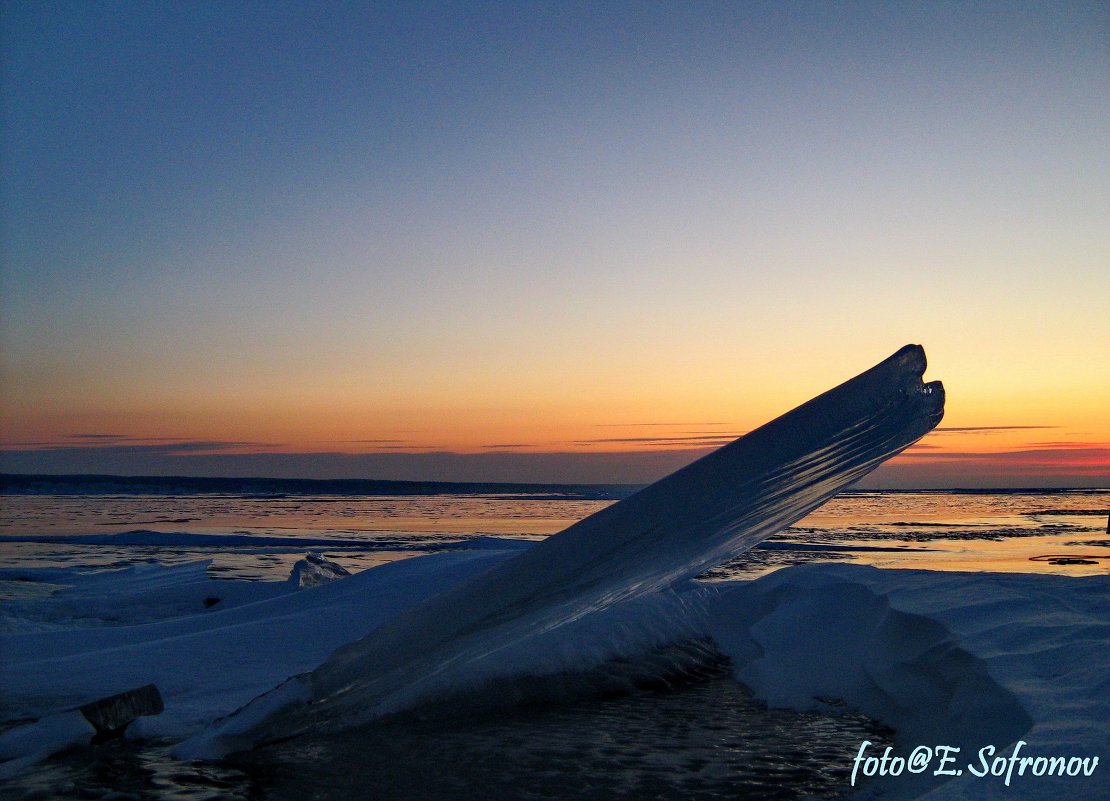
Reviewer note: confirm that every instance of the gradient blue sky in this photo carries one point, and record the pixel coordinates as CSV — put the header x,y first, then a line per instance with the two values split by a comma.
x,y
313,231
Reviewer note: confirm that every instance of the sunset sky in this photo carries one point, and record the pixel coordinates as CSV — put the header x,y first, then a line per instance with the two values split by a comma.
x,y
547,241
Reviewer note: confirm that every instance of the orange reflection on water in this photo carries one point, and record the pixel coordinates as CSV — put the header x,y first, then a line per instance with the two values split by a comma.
x,y
1011,555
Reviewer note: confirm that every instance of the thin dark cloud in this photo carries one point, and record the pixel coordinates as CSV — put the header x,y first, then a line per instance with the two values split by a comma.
x,y
370,441
985,429
504,446
1063,445
167,447
703,439
630,425
221,445
123,438
1098,456
100,441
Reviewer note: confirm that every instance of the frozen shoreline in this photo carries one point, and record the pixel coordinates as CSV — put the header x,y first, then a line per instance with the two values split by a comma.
x,y
965,659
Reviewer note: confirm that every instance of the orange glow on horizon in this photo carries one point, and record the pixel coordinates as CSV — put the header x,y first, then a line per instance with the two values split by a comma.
x,y
1054,427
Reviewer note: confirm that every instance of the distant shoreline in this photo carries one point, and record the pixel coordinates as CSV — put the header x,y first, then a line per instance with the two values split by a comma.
x,y
96,484
99,484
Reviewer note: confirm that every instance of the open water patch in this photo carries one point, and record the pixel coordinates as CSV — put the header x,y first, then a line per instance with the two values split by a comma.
x,y
707,739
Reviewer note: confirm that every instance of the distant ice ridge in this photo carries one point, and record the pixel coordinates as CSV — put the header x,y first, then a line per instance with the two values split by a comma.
x,y
698,517
178,539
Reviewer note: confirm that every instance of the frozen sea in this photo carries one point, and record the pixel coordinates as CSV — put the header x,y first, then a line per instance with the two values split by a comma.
x,y
254,536
688,730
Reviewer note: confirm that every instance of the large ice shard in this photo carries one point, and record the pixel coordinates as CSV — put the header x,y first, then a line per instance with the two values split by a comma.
x,y
699,516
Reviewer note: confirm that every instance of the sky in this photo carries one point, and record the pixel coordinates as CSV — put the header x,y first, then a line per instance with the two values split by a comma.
x,y
547,241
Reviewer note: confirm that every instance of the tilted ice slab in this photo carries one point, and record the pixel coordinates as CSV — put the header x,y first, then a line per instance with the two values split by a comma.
x,y
698,517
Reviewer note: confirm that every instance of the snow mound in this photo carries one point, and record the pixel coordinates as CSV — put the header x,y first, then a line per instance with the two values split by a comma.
x,y
141,593
212,660
822,639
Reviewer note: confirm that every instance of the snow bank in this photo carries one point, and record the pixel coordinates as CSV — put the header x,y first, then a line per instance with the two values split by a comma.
x,y
24,746
208,661
137,594
968,660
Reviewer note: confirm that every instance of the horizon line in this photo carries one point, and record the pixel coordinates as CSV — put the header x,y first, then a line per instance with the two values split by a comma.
x,y
5,476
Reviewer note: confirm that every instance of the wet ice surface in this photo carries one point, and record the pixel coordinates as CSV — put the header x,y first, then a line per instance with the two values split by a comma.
x,y
121,770
364,531
941,530
936,530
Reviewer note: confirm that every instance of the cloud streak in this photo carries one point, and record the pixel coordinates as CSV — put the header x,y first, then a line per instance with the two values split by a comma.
x,y
673,425
985,429
371,441
168,446
122,438
1064,453
707,439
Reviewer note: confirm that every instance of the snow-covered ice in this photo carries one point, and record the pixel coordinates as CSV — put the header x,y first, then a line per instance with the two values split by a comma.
x,y
961,659
967,659
206,661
